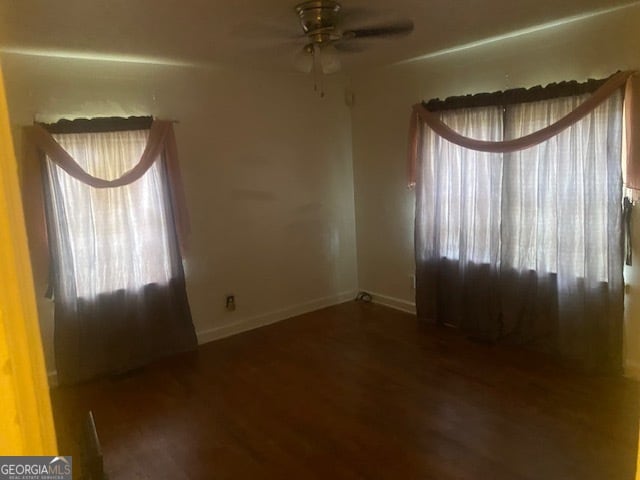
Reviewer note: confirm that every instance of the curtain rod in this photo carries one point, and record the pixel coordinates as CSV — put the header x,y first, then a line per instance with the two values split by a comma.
x,y
516,95
36,115
101,124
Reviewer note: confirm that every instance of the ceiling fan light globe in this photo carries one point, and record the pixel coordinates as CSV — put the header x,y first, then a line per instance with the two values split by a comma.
x,y
330,60
303,61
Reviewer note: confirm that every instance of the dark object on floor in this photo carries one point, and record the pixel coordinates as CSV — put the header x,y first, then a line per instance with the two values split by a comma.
x,y
92,463
363,297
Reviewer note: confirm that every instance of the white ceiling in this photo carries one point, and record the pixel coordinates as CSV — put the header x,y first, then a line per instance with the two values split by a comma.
x,y
259,33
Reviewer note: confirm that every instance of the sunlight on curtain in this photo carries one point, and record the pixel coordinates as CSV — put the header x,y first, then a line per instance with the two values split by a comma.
x,y
556,199
461,190
112,238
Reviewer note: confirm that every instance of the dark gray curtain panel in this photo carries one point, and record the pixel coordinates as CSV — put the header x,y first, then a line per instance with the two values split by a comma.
x,y
525,247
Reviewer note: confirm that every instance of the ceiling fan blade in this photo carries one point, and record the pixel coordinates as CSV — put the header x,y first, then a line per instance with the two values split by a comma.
x,y
390,30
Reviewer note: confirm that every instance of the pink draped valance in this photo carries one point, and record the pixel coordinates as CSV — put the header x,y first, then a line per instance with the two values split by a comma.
x,y
160,130
421,117
161,144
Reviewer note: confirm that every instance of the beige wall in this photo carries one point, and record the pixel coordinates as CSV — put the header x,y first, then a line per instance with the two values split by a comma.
x,y
267,171
594,47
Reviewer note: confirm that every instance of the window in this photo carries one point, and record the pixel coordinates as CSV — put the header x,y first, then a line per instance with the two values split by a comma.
x,y
109,238
530,209
115,218
524,244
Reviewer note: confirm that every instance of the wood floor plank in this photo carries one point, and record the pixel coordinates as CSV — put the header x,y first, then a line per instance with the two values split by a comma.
x,y
357,391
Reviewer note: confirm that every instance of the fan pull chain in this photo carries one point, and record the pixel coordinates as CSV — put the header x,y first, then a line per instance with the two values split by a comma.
x,y
317,71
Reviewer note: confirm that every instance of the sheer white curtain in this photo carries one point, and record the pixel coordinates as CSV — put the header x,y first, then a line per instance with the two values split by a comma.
x,y
111,238
461,191
556,198
526,246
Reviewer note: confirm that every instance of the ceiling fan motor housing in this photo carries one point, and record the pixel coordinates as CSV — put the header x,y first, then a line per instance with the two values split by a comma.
x,y
319,19
326,36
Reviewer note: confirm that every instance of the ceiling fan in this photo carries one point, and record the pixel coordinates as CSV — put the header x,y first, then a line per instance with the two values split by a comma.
x,y
327,34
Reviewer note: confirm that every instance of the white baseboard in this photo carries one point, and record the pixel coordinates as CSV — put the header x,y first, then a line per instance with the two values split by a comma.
x,y
632,370
392,302
246,324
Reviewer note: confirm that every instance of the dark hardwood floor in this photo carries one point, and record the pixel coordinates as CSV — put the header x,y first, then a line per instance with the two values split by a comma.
x,y
356,391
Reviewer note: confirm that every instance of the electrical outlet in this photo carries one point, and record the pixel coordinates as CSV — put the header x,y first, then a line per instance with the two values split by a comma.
x,y
230,303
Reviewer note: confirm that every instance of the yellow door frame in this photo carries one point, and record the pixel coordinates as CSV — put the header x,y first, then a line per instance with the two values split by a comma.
x,y
26,422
